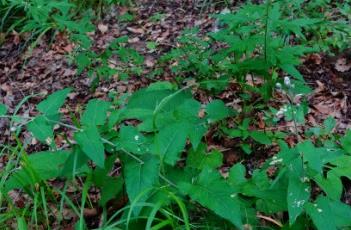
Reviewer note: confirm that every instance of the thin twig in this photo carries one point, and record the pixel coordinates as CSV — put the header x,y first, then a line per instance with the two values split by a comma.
x,y
276,222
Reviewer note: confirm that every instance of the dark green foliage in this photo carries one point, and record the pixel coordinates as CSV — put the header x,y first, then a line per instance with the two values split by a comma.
x,y
155,150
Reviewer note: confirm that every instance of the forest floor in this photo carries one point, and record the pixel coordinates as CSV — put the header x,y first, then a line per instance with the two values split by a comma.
x,y
47,68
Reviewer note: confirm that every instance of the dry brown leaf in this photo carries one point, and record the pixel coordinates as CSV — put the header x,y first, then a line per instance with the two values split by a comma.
x,y
135,30
103,28
342,65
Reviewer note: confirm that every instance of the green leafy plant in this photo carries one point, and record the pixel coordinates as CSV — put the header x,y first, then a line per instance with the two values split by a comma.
x,y
99,66
257,41
169,131
153,152
41,17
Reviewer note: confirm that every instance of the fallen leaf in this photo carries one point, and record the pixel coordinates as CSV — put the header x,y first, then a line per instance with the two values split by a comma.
x,y
102,28
135,30
149,61
342,65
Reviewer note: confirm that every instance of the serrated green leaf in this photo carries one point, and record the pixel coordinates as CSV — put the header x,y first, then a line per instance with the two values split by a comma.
x,y
260,137
170,142
90,142
41,130
52,103
211,191
95,113
3,109
200,159
140,178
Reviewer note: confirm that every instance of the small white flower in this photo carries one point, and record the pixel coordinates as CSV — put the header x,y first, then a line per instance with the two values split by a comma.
x,y
279,113
136,137
287,81
277,161
13,129
319,210
304,179
48,141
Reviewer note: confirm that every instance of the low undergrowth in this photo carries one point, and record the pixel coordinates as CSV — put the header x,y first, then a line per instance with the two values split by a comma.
x,y
153,157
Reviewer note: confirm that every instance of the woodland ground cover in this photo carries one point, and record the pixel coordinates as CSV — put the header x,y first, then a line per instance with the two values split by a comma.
x,y
175,114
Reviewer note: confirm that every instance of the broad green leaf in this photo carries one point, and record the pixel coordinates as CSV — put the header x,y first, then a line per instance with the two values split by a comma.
x,y
21,223
331,185
90,142
152,106
111,188
170,142
271,196
237,174
201,159
161,85
246,148
140,177
341,213
76,164
131,140
312,155
3,109
321,214
38,167
83,61
196,133
114,118
188,110
233,132
95,113
298,195
41,130
260,137
342,166
150,98
212,191
216,110
217,85
52,103
329,124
